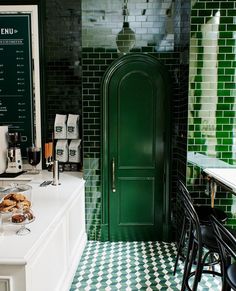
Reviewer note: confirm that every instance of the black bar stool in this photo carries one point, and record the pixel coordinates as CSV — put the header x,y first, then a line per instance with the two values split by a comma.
x,y
227,246
201,243
204,213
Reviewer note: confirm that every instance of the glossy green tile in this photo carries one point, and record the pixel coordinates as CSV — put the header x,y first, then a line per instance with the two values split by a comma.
x,y
212,5
223,92
227,141
223,134
226,49
223,106
230,71
226,127
230,42
225,64
194,27
225,78
219,114
221,42
229,99
226,20
205,12
199,141
227,5
226,34
88,49
230,85
222,148
198,5
221,57
231,12
231,27
197,20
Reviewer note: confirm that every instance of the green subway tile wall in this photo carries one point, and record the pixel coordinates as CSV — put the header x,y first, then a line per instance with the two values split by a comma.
x,y
212,102
163,31
80,45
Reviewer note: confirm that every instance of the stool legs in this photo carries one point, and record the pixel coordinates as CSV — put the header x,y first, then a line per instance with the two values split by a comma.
x,y
225,285
181,244
195,255
188,261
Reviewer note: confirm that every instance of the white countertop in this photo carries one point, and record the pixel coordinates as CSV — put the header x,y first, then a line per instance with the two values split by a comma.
x,y
204,161
48,205
227,176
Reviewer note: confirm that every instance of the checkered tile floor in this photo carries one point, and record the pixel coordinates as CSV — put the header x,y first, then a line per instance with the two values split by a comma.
x,y
130,266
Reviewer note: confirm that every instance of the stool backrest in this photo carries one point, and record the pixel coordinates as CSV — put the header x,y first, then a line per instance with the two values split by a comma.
x,y
190,213
225,239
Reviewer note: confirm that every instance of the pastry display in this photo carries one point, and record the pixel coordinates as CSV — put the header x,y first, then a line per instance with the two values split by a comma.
x,y
14,201
15,208
22,217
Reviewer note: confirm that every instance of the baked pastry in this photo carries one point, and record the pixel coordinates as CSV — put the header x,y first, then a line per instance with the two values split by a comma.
x,y
9,196
13,201
8,202
23,204
28,214
6,208
18,197
18,218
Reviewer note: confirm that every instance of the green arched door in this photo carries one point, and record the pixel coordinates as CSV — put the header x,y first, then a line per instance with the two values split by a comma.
x,y
135,148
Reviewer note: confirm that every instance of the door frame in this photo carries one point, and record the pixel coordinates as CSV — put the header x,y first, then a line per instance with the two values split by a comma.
x,y
105,167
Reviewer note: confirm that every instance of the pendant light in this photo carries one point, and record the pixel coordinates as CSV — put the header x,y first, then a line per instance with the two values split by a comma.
x,y
125,39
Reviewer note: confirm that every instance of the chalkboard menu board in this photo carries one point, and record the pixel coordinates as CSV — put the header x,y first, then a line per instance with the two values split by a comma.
x,y
16,85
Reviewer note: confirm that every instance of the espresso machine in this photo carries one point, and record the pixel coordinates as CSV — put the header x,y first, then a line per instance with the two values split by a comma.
x,y
14,159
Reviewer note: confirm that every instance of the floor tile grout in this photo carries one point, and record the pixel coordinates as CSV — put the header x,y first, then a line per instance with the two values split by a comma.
x,y
130,266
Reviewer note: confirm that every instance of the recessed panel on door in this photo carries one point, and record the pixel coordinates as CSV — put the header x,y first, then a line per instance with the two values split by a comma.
x,y
136,121
136,201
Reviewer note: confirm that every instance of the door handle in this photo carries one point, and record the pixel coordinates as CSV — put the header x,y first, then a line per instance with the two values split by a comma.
x,y
113,175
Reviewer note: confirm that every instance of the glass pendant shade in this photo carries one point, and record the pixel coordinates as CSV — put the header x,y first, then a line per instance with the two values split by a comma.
x,y
125,39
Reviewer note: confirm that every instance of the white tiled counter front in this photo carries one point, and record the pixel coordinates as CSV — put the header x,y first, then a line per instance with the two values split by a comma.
x,y
46,259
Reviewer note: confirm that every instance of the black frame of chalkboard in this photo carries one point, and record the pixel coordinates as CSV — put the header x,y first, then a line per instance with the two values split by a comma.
x,y
41,19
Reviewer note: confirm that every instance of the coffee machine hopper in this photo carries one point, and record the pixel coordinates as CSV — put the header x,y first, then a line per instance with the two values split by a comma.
x,y
14,159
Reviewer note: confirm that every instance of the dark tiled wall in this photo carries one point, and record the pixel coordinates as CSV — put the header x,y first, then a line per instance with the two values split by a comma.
x,y
63,58
180,105
77,56
64,80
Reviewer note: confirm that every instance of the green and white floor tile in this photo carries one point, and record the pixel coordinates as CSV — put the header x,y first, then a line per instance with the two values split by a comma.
x,y
130,266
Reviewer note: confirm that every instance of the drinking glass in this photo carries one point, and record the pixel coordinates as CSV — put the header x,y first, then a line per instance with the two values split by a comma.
x,y
34,154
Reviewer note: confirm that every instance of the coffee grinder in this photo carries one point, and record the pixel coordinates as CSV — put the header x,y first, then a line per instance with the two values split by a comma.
x,y
14,159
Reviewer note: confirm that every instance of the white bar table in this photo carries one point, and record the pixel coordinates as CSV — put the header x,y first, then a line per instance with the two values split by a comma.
x,y
217,172
226,177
